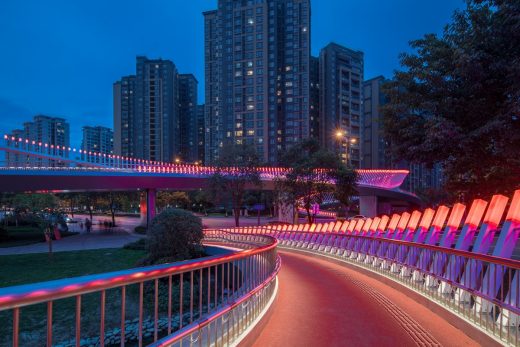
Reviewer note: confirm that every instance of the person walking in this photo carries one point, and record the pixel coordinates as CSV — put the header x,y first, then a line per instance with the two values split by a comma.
x,y
88,224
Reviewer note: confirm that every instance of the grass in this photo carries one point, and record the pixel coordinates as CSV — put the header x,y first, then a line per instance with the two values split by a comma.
x,y
26,235
29,268
38,267
21,269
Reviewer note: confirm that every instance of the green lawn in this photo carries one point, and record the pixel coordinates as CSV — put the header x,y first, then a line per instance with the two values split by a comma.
x,y
26,235
28,268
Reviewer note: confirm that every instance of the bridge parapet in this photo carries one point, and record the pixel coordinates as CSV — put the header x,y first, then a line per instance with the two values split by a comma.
x,y
210,300
31,155
466,261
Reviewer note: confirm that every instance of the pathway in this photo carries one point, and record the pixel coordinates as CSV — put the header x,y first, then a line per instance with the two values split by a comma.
x,y
321,303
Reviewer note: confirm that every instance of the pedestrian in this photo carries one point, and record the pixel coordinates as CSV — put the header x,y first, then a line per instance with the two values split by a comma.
x,y
88,224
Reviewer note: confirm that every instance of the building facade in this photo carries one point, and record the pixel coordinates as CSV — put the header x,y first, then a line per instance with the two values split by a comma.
x,y
156,126
341,78
374,145
124,115
201,134
188,85
146,111
314,96
98,139
376,149
51,131
257,57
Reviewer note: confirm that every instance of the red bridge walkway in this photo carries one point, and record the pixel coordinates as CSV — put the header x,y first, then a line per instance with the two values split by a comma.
x,y
321,303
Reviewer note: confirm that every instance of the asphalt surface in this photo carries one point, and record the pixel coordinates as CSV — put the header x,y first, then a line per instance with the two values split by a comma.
x,y
321,303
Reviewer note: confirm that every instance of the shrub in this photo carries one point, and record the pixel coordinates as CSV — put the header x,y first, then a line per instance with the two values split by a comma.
x,y
174,235
140,229
138,245
4,234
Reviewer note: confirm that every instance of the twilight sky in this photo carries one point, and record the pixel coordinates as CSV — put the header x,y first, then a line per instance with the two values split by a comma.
x,y
60,58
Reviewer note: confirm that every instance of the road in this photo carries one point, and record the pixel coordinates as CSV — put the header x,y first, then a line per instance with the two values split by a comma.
x,y
321,303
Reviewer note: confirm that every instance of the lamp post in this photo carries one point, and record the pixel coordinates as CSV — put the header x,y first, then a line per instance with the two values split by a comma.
x,y
341,136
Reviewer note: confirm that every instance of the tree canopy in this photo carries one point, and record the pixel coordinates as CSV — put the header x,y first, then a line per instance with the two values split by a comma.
x,y
457,100
312,169
236,172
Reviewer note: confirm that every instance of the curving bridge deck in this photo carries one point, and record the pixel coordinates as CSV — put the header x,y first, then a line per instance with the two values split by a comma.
x,y
321,303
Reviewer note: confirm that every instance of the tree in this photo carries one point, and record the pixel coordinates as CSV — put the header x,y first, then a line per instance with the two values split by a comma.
x,y
89,200
168,199
236,171
174,235
34,202
457,100
115,200
202,199
312,174
345,188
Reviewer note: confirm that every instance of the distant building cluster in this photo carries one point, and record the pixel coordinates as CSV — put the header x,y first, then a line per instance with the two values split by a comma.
x,y
155,113
262,88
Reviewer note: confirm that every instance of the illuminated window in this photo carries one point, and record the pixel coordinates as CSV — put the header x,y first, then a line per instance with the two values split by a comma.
x,y
250,72
250,132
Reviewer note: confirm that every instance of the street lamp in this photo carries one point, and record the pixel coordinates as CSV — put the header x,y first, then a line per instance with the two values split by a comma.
x,y
341,136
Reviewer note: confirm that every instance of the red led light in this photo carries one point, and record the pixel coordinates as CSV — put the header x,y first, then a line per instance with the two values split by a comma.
x,y
457,211
427,218
513,214
403,221
414,220
440,216
476,211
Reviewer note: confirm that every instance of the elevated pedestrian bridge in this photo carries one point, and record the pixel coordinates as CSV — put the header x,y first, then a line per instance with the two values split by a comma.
x,y
435,277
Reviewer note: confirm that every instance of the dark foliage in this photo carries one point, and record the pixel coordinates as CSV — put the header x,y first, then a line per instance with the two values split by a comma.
x,y
174,235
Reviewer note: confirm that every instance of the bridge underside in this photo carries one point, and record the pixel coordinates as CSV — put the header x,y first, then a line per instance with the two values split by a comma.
x,y
373,200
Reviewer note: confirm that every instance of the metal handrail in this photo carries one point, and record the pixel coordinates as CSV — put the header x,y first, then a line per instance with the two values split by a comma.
x,y
515,264
247,270
169,340
482,289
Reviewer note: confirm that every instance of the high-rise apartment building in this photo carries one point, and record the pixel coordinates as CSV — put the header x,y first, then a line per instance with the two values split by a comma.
x,y
341,78
257,57
314,95
53,131
146,111
188,117
156,126
98,139
124,115
375,151
201,133
13,159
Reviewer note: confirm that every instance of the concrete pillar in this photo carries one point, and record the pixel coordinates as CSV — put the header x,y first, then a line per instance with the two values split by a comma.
x,y
286,213
368,206
147,207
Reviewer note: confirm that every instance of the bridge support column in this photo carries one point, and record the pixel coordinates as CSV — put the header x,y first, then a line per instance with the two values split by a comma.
x,y
147,206
368,206
286,213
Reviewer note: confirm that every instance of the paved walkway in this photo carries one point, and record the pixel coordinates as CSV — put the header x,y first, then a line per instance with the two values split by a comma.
x,y
94,240
325,304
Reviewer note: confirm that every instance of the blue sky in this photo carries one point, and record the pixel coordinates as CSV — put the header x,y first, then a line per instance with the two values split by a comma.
x,y
61,57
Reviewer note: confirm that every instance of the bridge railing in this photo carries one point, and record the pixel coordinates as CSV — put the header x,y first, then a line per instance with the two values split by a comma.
x,y
457,258
26,153
212,299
